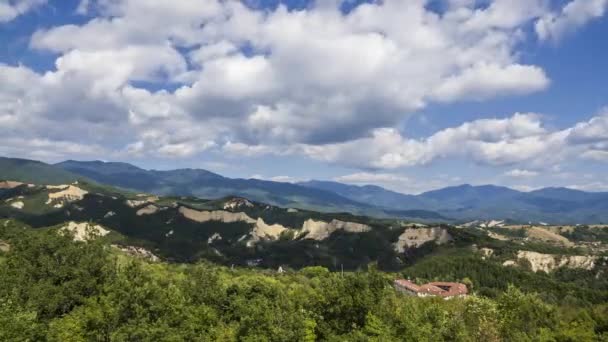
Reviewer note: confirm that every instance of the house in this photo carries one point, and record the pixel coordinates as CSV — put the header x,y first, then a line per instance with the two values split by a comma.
x,y
439,289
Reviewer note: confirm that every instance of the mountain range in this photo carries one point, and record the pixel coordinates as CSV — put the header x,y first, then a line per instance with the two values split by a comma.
x,y
457,203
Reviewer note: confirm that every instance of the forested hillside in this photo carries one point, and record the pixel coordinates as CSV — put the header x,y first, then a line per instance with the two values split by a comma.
x,y
86,262
55,289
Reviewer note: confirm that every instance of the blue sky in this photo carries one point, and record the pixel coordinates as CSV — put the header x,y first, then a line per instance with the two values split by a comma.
x,y
410,95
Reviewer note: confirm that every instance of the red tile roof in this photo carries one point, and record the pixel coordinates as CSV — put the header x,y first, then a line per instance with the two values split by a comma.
x,y
408,285
437,288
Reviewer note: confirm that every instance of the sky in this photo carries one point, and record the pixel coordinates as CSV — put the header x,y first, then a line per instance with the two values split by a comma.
x,y
411,95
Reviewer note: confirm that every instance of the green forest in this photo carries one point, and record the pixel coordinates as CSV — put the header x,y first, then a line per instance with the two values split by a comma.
x,y
55,289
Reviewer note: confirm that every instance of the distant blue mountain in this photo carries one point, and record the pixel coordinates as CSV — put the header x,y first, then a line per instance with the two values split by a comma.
x,y
461,203
467,202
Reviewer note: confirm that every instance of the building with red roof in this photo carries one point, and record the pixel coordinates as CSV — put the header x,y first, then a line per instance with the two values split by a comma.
x,y
437,288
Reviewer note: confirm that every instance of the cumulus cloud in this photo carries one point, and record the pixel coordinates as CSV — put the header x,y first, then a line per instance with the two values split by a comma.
x,y
175,78
576,13
10,10
520,139
165,69
512,140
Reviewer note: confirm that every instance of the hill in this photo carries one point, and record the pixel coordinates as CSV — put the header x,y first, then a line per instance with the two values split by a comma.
x,y
452,204
205,184
31,171
486,202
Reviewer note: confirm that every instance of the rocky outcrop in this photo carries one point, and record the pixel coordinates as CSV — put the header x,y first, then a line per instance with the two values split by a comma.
x,y
17,205
321,230
498,236
311,229
550,262
263,231
237,203
4,246
135,203
138,252
415,237
84,231
214,237
215,215
68,193
486,252
9,184
147,210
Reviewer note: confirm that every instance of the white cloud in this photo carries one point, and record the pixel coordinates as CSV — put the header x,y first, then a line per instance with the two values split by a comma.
x,y
521,173
396,182
506,141
526,188
296,82
282,179
594,130
481,81
10,10
596,155
371,178
174,78
576,13
593,186
517,140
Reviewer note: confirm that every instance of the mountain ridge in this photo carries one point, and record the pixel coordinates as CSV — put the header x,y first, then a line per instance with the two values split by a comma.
x,y
456,203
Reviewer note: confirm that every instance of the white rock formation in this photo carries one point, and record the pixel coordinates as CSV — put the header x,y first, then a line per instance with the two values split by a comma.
x,y
261,231
215,215
138,252
147,210
495,223
550,262
18,205
415,237
486,252
135,203
84,231
4,246
9,184
67,193
321,230
214,237
236,203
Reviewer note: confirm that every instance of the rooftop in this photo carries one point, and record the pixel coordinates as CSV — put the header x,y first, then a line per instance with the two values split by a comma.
x,y
437,288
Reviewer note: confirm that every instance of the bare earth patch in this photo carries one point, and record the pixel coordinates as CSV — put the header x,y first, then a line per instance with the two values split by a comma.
x,y
9,184
321,230
414,237
261,230
550,262
68,193
18,205
147,210
4,246
548,236
215,215
84,231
